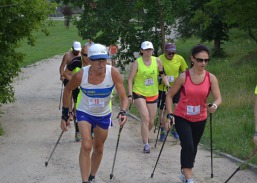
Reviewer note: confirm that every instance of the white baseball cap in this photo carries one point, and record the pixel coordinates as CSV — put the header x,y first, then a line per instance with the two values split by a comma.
x,y
146,45
97,51
76,46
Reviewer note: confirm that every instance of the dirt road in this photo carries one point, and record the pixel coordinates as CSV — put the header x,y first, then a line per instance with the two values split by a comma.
x,y
32,128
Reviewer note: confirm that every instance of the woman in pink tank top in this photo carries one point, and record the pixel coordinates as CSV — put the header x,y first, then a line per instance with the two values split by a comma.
x,y
191,112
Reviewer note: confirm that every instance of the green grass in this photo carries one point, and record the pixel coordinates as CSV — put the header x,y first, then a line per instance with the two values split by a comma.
x,y
233,123
58,42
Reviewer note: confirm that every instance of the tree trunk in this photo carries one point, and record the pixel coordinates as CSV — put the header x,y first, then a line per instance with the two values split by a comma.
x,y
162,27
217,48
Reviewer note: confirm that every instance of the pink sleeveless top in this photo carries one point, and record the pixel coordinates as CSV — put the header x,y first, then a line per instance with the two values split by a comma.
x,y
192,102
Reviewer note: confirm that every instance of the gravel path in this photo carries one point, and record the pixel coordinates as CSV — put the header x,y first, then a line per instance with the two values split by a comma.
x,y
32,128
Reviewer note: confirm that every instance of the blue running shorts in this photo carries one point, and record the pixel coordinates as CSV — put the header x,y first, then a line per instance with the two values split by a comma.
x,y
103,122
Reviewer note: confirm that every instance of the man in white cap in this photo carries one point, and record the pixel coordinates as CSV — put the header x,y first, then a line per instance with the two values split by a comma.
x,y
67,57
96,82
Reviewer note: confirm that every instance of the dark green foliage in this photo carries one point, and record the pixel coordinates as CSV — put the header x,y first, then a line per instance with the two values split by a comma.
x,y
127,23
201,19
18,19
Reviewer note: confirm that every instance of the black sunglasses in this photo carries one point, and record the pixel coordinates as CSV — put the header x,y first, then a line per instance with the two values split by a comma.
x,y
84,54
202,60
171,53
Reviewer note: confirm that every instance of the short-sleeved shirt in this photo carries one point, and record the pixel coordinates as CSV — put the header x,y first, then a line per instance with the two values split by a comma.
x,y
172,68
255,90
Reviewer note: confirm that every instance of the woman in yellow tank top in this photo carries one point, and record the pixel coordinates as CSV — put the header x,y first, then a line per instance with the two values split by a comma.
x,y
143,88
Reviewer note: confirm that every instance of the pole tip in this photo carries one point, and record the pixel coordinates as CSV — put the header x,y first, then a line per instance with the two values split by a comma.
x,y
111,175
152,175
46,163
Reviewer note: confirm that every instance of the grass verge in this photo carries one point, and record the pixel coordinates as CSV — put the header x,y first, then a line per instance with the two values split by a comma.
x,y
58,42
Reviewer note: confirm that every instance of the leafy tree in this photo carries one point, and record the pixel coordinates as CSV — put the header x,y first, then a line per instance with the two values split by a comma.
x,y
126,23
18,19
200,19
239,13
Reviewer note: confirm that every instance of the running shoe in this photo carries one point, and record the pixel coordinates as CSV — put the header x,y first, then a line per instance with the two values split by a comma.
x,y
77,136
182,177
189,181
146,148
163,134
91,178
174,133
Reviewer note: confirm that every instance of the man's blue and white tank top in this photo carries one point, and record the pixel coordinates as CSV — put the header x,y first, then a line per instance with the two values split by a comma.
x,y
95,99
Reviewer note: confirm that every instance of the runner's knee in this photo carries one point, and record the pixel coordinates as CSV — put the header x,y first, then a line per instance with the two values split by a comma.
x,y
86,145
98,148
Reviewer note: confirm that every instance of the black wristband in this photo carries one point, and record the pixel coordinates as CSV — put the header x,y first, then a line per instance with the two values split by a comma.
x,y
130,96
170,116
122,112
161,72
65,111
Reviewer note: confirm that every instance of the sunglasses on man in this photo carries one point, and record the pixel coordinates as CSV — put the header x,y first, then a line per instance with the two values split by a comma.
x,y
171,53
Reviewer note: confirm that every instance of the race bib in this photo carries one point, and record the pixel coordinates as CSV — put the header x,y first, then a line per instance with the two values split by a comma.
x,y
96,102
193,110
149,82
170,79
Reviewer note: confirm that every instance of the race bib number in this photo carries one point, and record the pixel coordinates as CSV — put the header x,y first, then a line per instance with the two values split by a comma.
x,y
170,79
193,110
149,82
96,102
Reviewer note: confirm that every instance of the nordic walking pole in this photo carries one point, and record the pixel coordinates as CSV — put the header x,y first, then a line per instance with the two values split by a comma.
x,y
211,145
111,175
211,142
61,97
162,146
117,144
159,127
46,163
244,163
160,153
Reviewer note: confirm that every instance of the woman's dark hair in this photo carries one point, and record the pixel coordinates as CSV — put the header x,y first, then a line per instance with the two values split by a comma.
x,y
199,48
140,52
